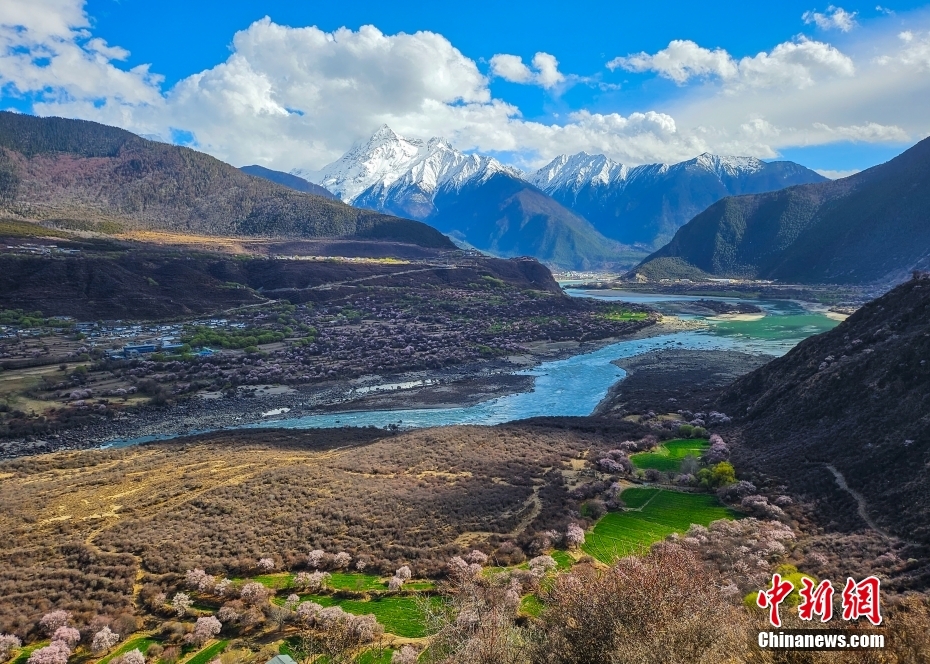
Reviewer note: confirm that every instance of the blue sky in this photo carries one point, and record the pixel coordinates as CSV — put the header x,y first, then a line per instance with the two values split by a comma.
x,y
836,88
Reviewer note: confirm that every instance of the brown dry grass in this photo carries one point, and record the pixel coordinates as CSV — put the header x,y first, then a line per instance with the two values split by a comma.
x,y
81,524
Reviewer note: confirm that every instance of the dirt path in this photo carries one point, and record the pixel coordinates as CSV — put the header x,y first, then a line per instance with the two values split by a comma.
x,y
333,284
862,506
532,502
643,506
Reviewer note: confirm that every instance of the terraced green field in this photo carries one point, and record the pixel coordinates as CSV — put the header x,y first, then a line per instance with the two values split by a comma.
x,y
355,581
620,534
563,560
208,653
668,456
374,656
274,581
142,644
338,581
399,615
24,654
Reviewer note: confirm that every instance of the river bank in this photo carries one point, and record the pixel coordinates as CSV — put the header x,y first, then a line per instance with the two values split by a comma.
x,y
564,378
674,379
263,405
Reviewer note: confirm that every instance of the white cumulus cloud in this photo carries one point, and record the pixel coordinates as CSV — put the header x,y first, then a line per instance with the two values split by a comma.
x,y
545,71
835,18
681,60
299,97
796,63
45,48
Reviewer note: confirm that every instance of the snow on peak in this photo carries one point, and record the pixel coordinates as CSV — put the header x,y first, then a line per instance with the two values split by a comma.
x,y
571,173
729,166
388,162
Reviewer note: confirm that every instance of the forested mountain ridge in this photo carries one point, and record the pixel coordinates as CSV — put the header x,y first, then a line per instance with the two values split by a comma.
x,y
509,217
870,227
55,168
288,180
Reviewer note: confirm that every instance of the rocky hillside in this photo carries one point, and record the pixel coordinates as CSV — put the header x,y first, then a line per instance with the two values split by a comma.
x,y
851,405
873,226
52,168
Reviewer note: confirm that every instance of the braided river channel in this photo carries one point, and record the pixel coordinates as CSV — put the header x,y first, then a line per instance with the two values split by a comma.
x,y
575,385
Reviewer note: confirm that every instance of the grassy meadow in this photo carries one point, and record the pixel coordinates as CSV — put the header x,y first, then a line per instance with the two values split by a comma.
x,y
651,515
668,456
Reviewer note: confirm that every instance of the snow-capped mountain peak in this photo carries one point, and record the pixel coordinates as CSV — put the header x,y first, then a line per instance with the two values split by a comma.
x,y
571,173
727,166
388,165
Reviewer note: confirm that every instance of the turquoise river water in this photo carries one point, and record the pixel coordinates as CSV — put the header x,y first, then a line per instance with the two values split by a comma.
x,y
575,385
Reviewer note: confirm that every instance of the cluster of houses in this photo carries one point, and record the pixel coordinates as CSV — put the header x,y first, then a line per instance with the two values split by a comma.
x,y
141,339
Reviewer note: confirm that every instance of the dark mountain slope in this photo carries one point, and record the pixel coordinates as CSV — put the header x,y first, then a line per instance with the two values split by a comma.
x,y
289,181
56,168
509,217
870,227
856,398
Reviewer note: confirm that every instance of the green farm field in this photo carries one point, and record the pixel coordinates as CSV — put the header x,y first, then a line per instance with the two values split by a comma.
x,y
208,653
667,457
141,644
399,615
660,514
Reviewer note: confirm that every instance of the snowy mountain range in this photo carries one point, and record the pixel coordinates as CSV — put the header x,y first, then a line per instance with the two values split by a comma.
x,y
403,175
583,200
646,205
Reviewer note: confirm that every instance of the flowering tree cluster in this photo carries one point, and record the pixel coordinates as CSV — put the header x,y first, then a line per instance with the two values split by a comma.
x,y
342,560
53,620
197,579
461,571
8,643
57,652
67,635
205,629
254,593
63,639
103,640
265,564
134,656
742,551
315,558
334,633
476,557
223,587
228,613
401,576
406,655
311,581
718,451
574,536
181,602
292,601
542,564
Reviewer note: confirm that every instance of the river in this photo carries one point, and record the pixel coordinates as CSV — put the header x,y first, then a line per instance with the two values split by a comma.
x,y
575,385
